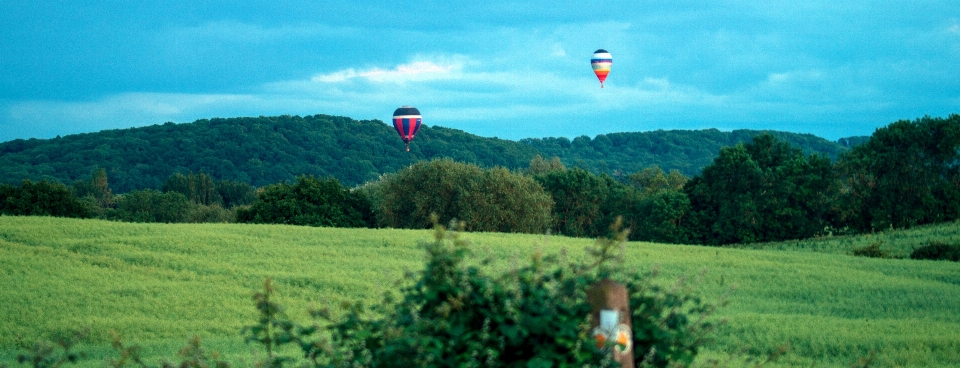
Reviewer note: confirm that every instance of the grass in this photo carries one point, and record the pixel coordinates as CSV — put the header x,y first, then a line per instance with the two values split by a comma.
x,y
160,284
897,243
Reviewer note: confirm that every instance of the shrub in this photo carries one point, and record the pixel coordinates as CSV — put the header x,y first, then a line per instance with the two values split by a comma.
x,y
937,251
872,251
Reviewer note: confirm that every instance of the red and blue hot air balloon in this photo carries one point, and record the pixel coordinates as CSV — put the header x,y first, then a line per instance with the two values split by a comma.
x,y
601,62
407,120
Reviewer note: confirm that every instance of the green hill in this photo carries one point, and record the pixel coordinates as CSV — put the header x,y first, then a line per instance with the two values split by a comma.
x,y
159,284
267,150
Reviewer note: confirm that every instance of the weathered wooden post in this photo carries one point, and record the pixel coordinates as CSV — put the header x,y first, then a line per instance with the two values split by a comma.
x,y
610,319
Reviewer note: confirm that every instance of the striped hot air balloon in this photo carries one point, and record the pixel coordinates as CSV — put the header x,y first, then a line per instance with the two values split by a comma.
x,y
407,120
601,62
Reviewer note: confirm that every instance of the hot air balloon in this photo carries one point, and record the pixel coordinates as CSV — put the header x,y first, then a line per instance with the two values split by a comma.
x,y
406,120
601,62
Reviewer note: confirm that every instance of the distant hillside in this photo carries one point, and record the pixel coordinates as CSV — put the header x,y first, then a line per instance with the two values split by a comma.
x,y
267,150
685,150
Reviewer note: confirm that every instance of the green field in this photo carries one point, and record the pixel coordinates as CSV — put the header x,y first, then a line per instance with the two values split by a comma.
x,y
159,284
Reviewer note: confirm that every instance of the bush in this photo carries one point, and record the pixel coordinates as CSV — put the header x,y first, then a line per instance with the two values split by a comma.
x,y
872,251
937,251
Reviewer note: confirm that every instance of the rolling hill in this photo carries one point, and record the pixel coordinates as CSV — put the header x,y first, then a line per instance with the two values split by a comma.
x,y
265,150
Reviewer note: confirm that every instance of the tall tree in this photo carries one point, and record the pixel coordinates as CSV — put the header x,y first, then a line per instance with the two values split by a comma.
x,y
762,191
907,174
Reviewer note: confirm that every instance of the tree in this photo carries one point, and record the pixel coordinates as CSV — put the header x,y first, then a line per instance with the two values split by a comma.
x,y
42,198
487,199
762,191
539,166
907,174
199,188
579,198
652,180
150,205
309,201
97,188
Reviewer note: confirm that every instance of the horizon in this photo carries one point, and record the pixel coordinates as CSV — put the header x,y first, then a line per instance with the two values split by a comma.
x,y
445,127
494,69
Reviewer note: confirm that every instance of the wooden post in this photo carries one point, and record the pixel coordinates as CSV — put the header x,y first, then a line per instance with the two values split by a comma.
x,y
610,319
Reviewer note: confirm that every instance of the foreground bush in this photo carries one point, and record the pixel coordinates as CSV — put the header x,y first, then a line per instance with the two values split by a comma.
x,y
454,314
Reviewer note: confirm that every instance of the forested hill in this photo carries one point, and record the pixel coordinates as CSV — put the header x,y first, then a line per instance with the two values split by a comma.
x,y
685,150
268,150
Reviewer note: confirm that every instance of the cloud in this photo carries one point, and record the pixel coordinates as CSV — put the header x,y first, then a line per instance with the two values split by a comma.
x,y
414,71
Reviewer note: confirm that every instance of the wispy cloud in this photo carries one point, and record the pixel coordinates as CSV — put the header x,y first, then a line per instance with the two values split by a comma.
x,y
414,71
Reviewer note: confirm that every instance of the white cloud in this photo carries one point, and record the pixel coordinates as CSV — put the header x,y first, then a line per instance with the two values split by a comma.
x,y
414,71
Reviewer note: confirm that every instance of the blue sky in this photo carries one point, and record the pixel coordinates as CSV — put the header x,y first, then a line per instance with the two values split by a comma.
x,y
493,68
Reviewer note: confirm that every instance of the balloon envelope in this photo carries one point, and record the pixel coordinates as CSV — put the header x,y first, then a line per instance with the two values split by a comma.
x,y
601,62
407,120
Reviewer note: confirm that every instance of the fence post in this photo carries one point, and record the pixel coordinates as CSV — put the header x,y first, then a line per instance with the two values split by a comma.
x,y
610,319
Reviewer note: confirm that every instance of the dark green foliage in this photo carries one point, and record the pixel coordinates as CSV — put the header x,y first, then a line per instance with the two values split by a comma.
x,y
42,198
97,187
907,174
687,151
489,199
872,251
937,251
149,205
662,218
652,180
199,188
309,201
454,314
235,193
579,199
762,191
259,151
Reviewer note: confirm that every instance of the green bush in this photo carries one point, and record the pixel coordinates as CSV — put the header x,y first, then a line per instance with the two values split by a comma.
x,y
937,251
872,251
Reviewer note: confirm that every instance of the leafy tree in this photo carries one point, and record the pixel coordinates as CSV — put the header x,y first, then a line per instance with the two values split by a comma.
x,y
489,199
150,205
309,201
97,187
907,174
42,198
652,180
539,166
762,191
199,188
235,193
579,198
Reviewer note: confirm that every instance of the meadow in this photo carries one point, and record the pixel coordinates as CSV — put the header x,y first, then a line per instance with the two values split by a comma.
x,y
157,285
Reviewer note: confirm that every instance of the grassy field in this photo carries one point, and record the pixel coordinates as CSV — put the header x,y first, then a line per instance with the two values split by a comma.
x,y
159,284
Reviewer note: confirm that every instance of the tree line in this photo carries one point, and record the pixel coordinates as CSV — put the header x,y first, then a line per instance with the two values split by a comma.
x,y
264,150
905,174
